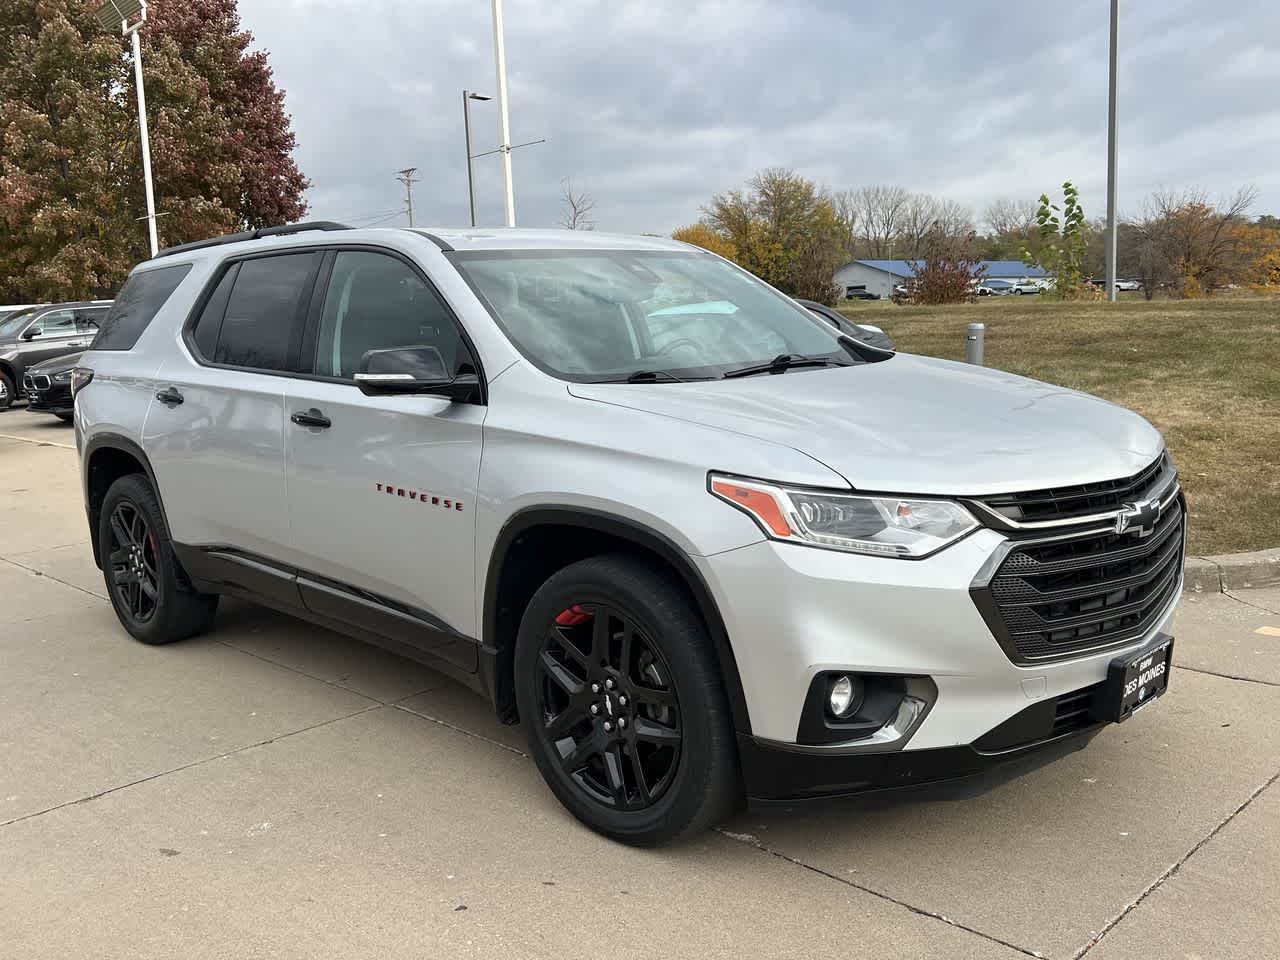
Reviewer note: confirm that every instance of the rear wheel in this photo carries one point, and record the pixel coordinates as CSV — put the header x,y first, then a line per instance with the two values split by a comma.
x,y
619,689
151,595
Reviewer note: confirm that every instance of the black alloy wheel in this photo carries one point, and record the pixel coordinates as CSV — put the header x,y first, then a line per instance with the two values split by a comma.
x,y
133,559
608,707
152,595
619,688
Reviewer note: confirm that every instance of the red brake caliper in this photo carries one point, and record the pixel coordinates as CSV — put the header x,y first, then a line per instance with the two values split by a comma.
x,y
572,616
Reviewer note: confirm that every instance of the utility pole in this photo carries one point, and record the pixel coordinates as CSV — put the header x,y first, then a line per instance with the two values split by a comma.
x,y
504,123
406,176
1112,130
467,97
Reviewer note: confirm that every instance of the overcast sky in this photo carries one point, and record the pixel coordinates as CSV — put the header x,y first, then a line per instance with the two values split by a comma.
x,y
654,105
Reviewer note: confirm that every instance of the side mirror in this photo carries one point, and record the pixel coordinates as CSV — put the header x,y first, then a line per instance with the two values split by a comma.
x,y
410,370
31,333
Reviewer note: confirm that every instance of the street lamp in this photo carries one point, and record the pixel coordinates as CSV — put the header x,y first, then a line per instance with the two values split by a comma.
x,y
504,125
1113,126
120,12
467,97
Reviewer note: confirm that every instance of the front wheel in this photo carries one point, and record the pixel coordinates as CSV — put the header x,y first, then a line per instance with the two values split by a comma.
x,y
7,391
151,595
619,689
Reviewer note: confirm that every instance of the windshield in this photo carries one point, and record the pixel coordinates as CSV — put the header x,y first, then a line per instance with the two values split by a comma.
x,y
607,315
10,325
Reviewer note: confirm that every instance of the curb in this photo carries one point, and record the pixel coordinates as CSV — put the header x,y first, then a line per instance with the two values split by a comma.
x,y
1232,571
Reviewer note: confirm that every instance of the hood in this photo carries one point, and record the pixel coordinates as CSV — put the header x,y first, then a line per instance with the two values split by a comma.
x,y
914,424
57,364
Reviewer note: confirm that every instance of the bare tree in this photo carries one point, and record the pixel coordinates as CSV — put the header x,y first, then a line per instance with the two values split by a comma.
x,y
849,216
1010,218
576,208
880,210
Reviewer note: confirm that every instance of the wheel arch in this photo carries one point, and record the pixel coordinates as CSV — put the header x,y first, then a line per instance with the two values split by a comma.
x,y
572,534
107,458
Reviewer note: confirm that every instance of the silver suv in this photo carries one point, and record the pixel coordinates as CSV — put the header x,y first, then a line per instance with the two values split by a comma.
x,y
702,545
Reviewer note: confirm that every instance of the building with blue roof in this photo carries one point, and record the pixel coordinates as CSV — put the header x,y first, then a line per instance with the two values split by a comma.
x,y
879,277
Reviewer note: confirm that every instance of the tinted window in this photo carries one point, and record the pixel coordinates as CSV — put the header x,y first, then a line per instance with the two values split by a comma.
x,y
139,301
56,323
265,311
88,321
376,302
210,323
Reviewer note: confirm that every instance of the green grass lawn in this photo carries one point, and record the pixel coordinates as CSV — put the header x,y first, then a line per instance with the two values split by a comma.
x,y
1205,372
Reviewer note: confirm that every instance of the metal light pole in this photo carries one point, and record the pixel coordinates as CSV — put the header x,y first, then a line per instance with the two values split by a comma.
x,y
504,124
467,97
119,12
1112,130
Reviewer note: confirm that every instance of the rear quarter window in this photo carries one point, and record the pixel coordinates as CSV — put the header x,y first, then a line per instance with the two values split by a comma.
x,y
136,306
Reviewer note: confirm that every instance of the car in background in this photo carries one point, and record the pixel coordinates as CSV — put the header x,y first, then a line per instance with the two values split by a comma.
x,y
859,293
994,288
15,308
1024,286
43,333
48,386
867,333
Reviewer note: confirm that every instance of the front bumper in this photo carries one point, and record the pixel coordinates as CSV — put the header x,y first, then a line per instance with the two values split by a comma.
x,y
793,612
55,399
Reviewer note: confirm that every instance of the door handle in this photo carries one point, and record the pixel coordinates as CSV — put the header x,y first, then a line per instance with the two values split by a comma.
x,y
169,397
311,418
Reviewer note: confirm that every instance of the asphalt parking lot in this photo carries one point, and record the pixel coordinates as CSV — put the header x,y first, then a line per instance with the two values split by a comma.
x,y
274,790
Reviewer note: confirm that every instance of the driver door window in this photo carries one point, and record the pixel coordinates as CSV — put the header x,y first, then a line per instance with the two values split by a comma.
x,y
376,302
59,323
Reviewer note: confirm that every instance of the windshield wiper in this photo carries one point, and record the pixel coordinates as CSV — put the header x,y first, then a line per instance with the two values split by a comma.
x,y
785,361
650,376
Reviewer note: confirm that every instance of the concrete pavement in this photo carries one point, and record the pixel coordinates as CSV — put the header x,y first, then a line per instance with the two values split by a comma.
x,y
274,790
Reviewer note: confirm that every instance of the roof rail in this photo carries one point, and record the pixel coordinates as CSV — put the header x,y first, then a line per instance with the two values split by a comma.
x,y
252,235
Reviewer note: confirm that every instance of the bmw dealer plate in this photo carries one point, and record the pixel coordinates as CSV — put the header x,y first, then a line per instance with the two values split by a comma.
x,y
1135,680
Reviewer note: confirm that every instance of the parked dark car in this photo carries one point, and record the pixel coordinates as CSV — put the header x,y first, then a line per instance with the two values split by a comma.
x,y
44,333
862,332
48,386
860,293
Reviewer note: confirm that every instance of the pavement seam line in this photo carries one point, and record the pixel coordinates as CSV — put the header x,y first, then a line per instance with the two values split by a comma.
x,y
38,443
188,766
302,673
462,730
918,911
1247,603
1173,870
49,576
1226,676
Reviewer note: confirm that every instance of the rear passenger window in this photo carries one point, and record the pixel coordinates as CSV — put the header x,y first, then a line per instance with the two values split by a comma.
x,y
265,312
139,301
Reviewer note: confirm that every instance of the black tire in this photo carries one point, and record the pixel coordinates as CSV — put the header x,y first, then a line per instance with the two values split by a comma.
x,y
136,550
7,391
651,611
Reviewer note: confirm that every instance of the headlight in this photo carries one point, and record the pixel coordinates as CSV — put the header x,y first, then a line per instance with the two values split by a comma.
x,y
63,377
905,527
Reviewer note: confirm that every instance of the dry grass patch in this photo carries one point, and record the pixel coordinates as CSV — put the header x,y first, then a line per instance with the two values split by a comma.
x,y
1206,373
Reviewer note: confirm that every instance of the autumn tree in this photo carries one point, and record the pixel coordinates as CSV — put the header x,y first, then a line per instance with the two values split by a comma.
x,y
1200,244
71,194
701,235
1011,228
948,269
784,230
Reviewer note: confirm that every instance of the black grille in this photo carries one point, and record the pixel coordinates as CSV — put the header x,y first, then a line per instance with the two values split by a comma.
x,y
40,381
1065,503
1054,598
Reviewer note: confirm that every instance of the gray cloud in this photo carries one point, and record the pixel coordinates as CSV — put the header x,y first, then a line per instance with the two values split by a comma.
x,y
655,105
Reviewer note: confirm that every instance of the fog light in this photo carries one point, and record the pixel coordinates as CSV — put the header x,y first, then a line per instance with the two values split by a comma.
x,y
844,697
